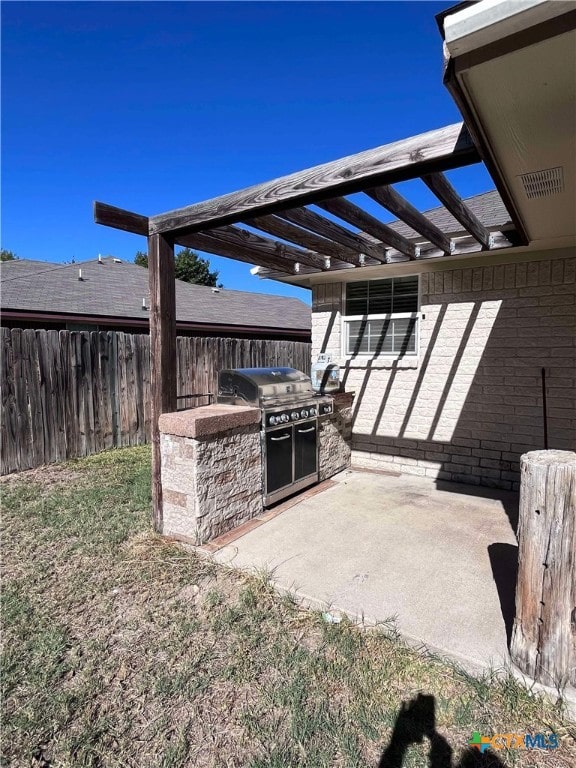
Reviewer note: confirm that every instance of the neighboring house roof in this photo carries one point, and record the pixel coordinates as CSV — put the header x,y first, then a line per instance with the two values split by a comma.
x,y
488,207
114,288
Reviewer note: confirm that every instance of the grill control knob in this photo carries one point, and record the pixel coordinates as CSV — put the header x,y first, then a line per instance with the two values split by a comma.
x,y
294,415
313,411
284,417
304,413
273,420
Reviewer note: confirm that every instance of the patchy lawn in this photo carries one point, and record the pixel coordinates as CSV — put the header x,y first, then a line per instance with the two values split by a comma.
x,y
122,649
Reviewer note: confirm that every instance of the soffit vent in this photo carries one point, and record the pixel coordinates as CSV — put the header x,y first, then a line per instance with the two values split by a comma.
x,y
544,183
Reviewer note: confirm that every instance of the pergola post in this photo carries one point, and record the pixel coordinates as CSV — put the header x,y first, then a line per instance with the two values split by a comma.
x,y
162,352
543,642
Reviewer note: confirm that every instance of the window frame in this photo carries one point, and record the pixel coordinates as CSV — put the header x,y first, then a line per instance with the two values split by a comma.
x,y
346,320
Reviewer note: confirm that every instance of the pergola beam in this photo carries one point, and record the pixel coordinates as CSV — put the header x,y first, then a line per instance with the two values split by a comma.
x,y
118,218
451,200
393,201
354,215
321,244
438,150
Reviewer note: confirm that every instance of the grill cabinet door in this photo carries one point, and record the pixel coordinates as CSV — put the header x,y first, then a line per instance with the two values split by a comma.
x,y
305,454
278,458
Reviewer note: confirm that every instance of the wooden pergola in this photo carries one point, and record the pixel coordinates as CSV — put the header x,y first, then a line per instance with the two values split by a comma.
x,y
308,242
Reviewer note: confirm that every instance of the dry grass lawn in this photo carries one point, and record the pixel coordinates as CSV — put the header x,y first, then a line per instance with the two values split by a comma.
x,y
122,649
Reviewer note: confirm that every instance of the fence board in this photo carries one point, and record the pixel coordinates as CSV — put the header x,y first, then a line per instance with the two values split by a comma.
x,y
10,411
71,393
32,376
72,419
56,405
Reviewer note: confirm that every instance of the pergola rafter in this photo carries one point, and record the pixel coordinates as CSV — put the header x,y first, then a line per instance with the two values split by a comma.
x,y
445,192
305,240
274,225
257,245
308,242
322,226
393,201
354,215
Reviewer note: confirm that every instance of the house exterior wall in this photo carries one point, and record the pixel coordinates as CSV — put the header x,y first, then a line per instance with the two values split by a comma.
x,y
470,403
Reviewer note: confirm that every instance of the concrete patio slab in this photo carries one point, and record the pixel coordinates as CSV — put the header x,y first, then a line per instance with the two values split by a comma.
x,y
438,557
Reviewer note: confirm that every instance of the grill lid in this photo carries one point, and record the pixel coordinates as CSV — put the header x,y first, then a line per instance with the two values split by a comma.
x,y
263,376
258,386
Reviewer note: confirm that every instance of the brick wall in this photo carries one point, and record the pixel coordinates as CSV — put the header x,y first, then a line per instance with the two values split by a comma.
x,y
471,403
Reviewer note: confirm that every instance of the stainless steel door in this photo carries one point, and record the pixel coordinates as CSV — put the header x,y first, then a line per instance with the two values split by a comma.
x,y
305,449
279,447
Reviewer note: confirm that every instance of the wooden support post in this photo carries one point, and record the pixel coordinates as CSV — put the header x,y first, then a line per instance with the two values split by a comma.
x,y
162,352
543,642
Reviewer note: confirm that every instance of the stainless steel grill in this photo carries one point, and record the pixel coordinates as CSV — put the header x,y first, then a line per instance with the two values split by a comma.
x,y
290,412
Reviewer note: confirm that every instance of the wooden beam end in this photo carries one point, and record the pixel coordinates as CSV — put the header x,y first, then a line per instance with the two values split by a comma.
x,y
118,218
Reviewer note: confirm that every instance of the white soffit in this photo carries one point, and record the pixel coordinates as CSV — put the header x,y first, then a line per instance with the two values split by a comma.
x,y
525,102
487,21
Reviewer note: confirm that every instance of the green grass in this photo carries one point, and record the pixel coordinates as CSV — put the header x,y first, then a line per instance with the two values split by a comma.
x,y
122,649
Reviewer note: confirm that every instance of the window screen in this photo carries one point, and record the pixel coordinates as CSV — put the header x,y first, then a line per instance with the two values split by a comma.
x,y
375,337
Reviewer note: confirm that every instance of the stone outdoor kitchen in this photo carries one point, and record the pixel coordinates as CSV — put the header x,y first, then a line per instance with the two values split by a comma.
x,y
221,464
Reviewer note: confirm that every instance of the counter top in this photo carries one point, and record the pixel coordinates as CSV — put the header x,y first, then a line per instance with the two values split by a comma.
x,y
208,420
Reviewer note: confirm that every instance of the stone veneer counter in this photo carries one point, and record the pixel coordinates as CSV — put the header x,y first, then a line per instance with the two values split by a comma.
x,y
334,435
211,470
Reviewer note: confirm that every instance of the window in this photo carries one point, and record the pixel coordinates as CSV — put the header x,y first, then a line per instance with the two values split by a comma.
x,y
381,317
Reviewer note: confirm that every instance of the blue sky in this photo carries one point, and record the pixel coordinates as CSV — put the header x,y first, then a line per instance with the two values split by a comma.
x,y
151,106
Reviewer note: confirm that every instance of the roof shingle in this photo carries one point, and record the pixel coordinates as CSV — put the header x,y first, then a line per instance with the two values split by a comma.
x,y
488,207
114,288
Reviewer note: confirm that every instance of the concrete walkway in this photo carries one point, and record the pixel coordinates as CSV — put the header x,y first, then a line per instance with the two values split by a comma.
x,y
438,557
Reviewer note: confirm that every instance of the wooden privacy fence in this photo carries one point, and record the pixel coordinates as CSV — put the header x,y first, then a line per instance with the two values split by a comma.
x,y
67,394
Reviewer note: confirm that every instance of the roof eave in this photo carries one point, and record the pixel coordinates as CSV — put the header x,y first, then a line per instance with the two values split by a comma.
x,y
28,315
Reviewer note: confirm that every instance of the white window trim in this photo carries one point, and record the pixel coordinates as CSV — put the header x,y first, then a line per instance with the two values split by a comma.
x,y
410,358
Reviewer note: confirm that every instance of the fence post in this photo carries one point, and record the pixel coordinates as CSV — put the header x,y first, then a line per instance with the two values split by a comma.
x,y
543,642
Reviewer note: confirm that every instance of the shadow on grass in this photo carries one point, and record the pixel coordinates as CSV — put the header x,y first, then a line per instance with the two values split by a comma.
x,y
416,720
